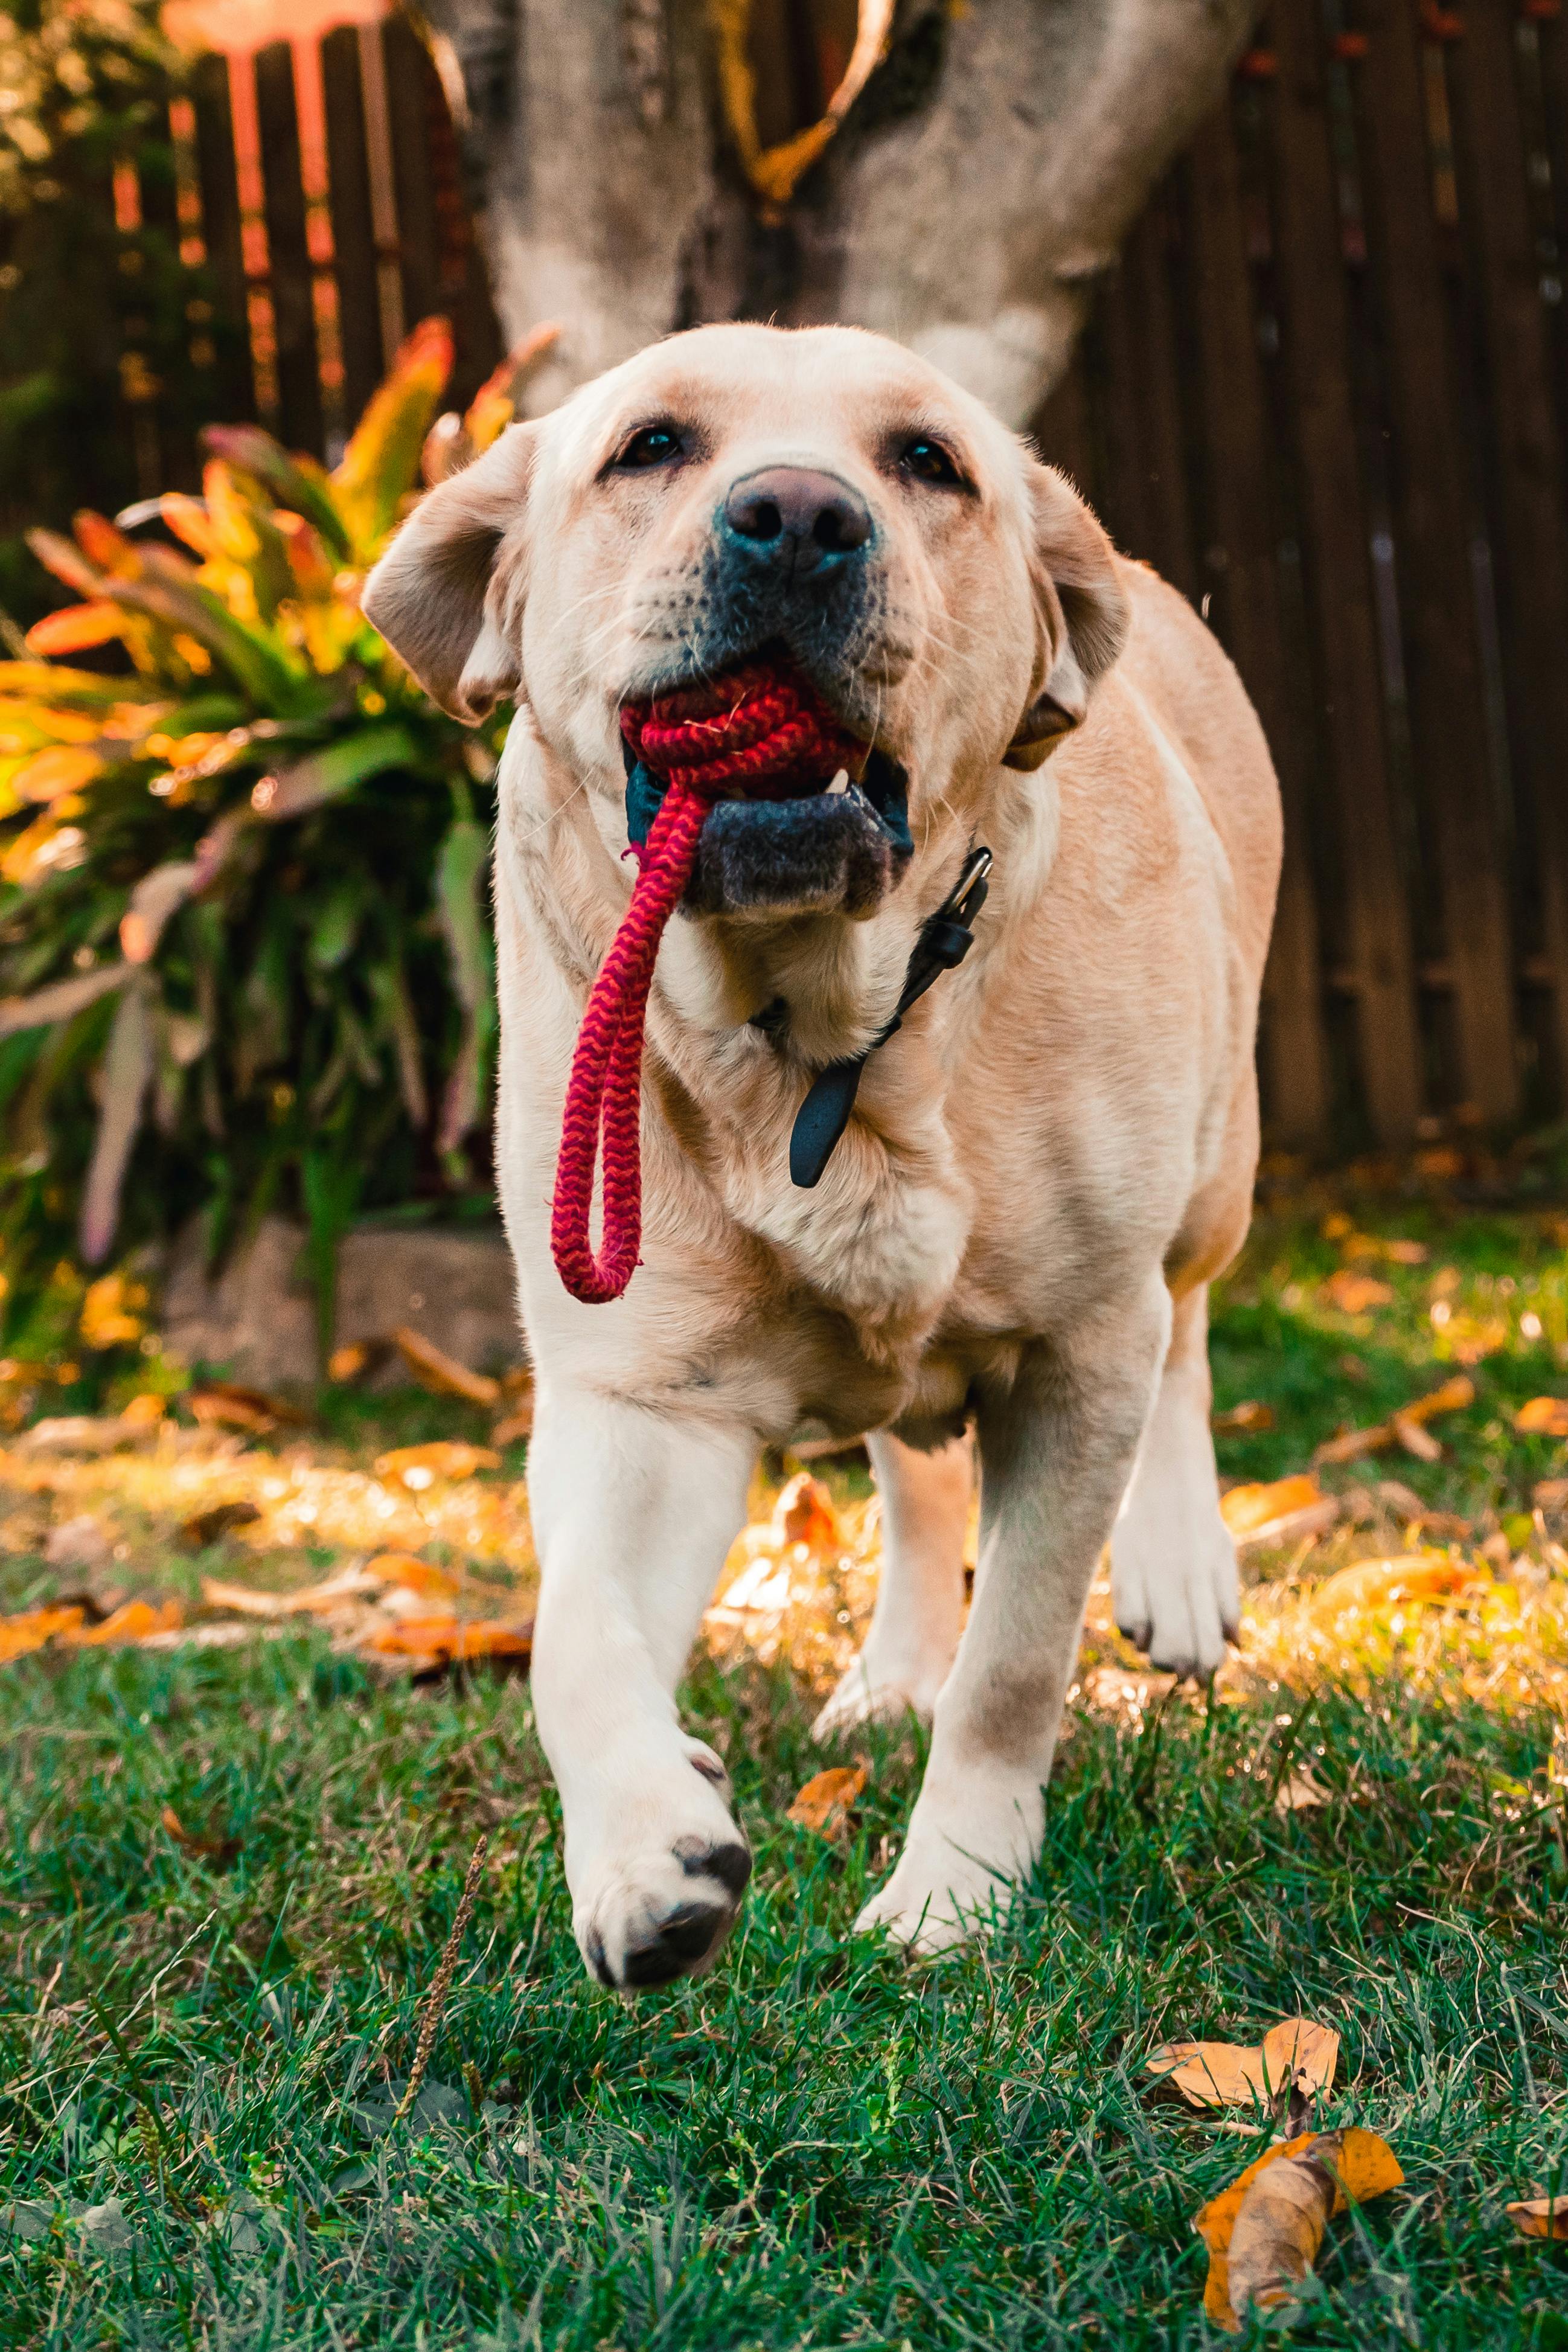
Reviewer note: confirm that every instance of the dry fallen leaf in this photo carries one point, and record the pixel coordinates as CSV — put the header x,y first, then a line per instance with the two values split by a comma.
x,y
220,1850
403,1571
1407,1427
1248,1416
1417,1576
805,1513
515,1426
1543,1416
356,1359
31,1628
224,1405
1354,1293
83,1433
1278,1512
1551,1495
823,1804
446,1640
442,1373
1356,2166
418,1467
1299,1793
206,1526
1415,1438
1293,2054
1540,2217
134,1620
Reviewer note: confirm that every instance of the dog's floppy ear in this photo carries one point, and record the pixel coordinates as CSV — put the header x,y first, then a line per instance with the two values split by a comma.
x,y
1083,615
435,595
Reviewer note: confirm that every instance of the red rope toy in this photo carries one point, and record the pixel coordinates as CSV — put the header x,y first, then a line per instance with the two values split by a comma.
x,y
768,732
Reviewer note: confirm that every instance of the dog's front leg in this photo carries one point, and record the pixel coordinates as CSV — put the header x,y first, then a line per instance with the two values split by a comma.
x,y
633,1515
1055,1451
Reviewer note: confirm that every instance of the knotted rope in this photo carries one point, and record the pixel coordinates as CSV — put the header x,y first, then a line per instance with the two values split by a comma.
x,y
768,733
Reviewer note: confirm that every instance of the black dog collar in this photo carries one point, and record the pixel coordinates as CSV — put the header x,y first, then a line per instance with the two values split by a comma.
x,y
945,938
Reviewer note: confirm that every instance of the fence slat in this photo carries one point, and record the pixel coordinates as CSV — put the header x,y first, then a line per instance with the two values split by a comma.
x,y
1250,622
1488,145
407,108
298,382
1433,508
220,227
1317,358
353,230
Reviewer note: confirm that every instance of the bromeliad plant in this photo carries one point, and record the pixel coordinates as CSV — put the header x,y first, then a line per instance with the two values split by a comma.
x,y
245,954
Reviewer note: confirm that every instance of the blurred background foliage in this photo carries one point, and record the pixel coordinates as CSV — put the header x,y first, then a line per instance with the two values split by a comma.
x,y
245,942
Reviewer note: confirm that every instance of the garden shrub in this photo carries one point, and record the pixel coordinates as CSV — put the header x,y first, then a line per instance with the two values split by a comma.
x,y
245,950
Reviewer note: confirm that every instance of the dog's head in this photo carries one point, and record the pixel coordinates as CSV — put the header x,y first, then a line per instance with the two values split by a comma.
x,y
822,498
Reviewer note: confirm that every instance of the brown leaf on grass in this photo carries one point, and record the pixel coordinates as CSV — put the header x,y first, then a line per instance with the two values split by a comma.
x,y
1355,1294
1452,1396
444,1639
221,1849
1282,1511
82,1433
134,1620
1415,1439
31,1628
1351,1444
823,1804
1417,1576
1543,1416
205,1527
356,1359
1353,2166
1300,1792
441,1374
1540,2217
1248,1417
404,1573
225,1404
805,1513
1551,1495
419,1466
312,1600
1293,2054
519,1421
1407,1427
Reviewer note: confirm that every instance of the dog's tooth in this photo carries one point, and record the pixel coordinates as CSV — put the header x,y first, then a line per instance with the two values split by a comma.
x,y
841,783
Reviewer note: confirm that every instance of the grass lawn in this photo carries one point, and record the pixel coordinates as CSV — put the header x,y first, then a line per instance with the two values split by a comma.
x,y
818,2145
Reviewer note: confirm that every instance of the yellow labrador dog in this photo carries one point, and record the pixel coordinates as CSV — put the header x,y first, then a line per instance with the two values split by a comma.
x,y
1044,1167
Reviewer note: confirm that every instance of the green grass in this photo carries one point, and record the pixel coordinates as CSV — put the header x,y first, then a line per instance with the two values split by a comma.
x,y
818,2146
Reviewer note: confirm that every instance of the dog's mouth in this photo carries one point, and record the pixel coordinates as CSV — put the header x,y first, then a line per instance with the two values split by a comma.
x,y
810,827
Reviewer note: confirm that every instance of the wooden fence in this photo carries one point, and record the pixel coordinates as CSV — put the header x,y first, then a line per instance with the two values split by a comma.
x,y
1325,393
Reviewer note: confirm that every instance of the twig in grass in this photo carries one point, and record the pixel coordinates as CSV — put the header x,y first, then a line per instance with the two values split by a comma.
x,y
441,1985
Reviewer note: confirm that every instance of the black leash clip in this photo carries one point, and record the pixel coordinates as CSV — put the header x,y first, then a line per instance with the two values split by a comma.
x,y
945,938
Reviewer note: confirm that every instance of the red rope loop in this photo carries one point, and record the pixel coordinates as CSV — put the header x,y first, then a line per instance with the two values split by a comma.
x,y
768,732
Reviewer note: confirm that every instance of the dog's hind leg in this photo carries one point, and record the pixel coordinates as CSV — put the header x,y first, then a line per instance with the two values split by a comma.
x,y
633,1511
919,1611
1174,1577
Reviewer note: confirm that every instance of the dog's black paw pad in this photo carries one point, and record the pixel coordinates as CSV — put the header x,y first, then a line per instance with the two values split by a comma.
x,y
730,1864
1139,1631
685,1938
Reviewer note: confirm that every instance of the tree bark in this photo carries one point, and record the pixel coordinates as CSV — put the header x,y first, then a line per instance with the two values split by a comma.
x,y
985,174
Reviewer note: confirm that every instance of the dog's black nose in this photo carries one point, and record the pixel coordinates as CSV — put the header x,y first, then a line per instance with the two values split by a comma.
x,y
796,519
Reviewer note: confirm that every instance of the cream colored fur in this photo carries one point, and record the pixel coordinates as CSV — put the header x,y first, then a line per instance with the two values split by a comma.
x,y
1046,1167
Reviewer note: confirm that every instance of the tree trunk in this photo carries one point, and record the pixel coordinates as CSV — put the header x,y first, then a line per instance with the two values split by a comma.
x,y
983,176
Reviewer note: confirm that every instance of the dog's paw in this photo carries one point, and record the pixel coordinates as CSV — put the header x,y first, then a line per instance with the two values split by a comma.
x,y
649,1913
1176,1596
879,1691
959,1870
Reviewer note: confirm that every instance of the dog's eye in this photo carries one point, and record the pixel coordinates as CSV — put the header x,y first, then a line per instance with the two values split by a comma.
x,y
656,444
929,462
